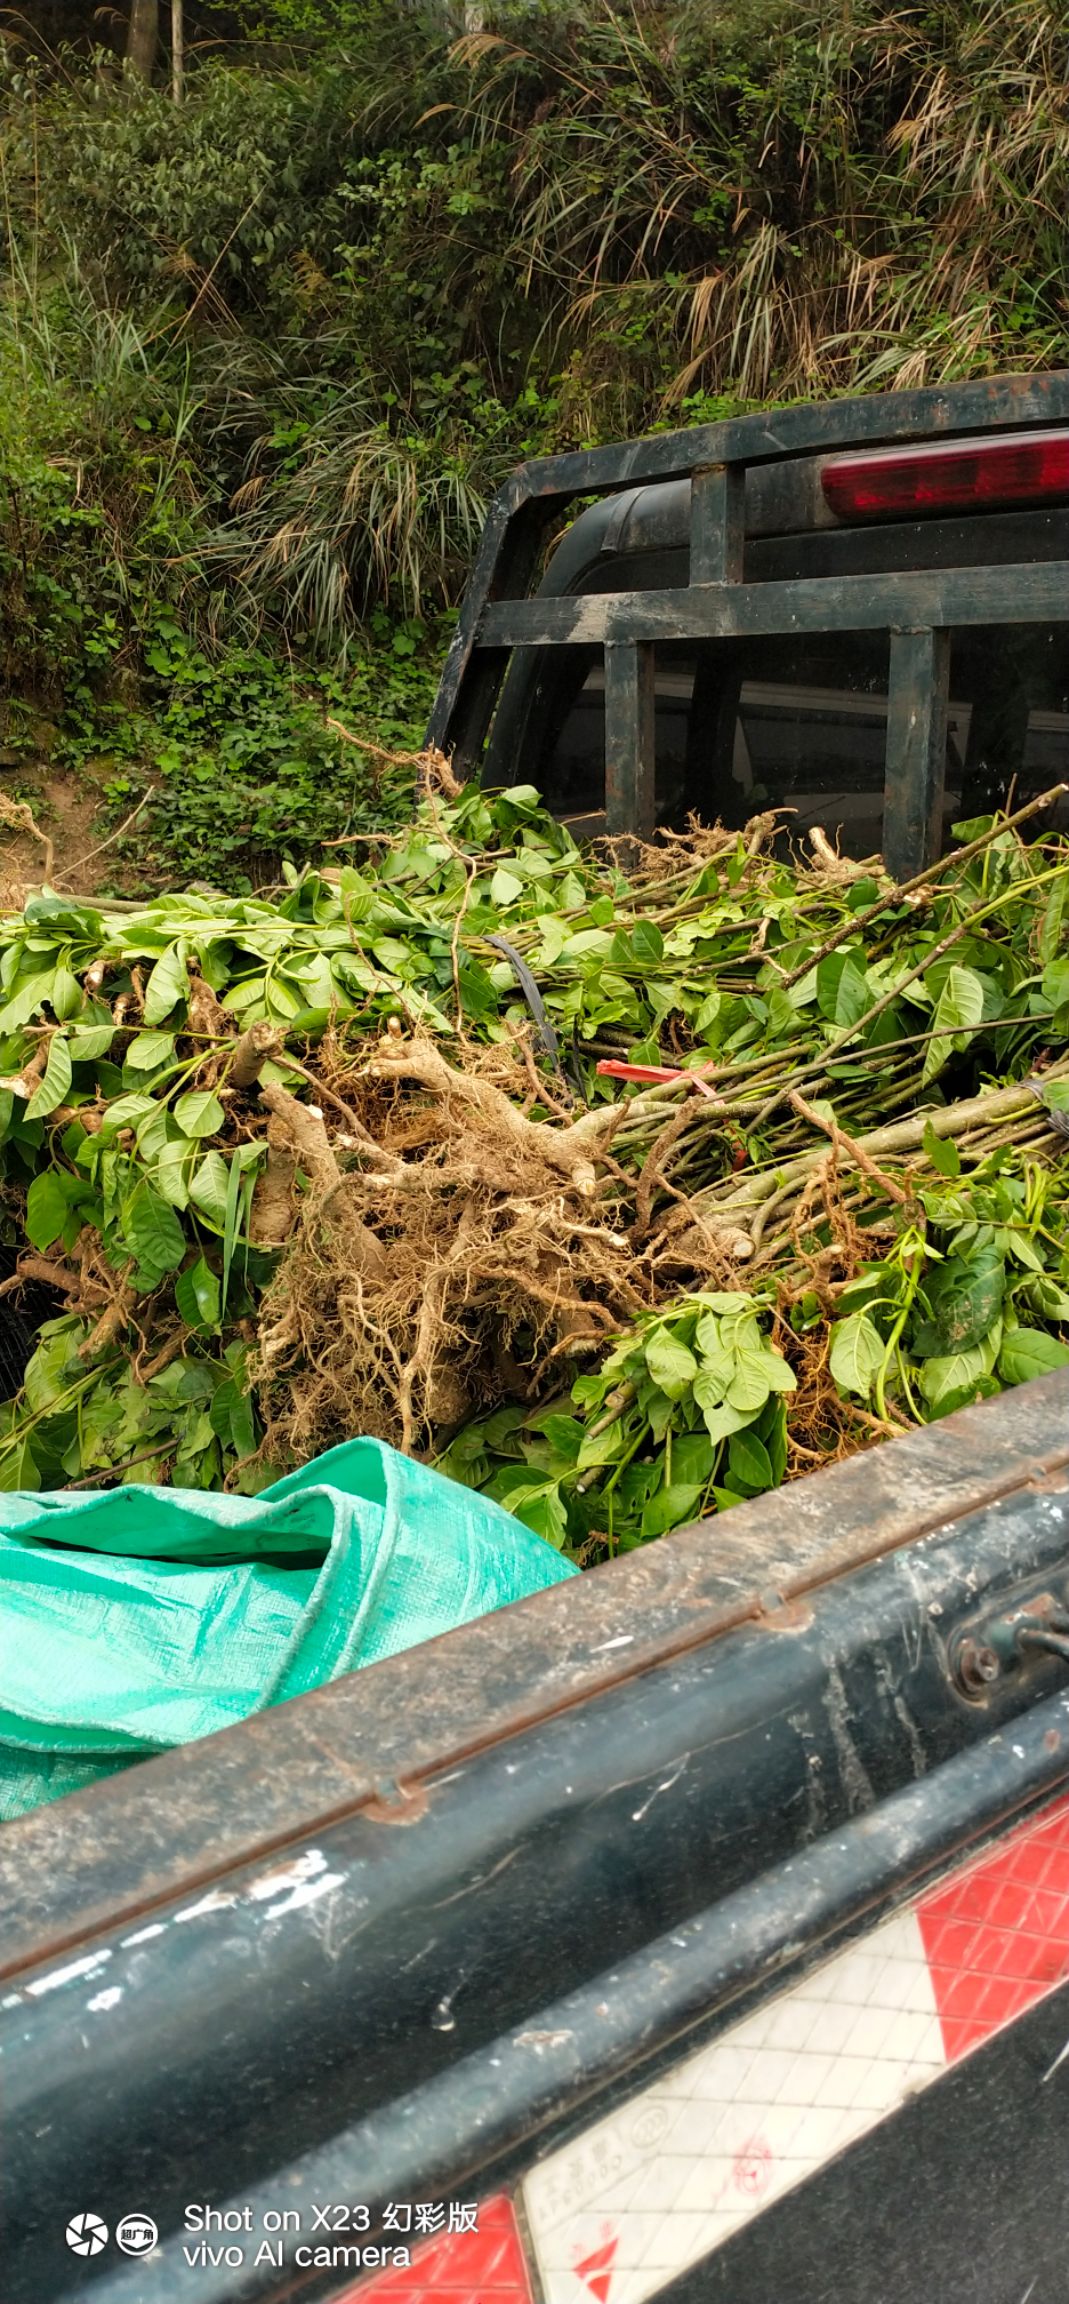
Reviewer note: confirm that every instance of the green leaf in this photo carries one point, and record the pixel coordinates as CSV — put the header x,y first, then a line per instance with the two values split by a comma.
x,y
148,1050
707,1334
521,799
693,1456
197,1295
208,1187
505,888
735,1308
707,1015
18,1467
777,1372
782,1015
27,1000
47,1378
853,998
772,1429
1028,1352
48,910
53,1087
184,1380
601,1448
249,993
154,1233
67,995
1055,984
1046,1296
125,1112
235,1189
720,1420
283,1001
857,1354
1021,1247
952,1379
232,1418
563,1436
200,1113
942,1152
170,1173
749,1465
964,1297
542,1510
749,1387
718,1366
959,1008
477,990
672,1367
671,1507
647,944
1054,1094
842,992
47,1209
167,984
1053,931
155,1132
89,1042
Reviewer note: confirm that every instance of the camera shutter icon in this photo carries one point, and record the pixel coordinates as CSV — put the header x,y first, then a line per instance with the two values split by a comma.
x,y
87,2235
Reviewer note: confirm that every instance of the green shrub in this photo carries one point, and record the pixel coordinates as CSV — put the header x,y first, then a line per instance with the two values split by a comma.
x,y
240,762
100,499
212,201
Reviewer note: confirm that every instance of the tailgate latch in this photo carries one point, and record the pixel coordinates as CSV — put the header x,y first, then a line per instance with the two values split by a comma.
x,y
987,1652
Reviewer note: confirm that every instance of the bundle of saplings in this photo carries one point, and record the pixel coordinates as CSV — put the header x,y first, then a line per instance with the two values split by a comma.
x,y
622,1184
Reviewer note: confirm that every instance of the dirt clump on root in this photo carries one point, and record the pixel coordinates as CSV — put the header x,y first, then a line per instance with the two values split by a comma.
x,y
496,1268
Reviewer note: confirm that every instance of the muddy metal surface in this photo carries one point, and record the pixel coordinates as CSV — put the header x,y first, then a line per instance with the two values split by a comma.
x,y
169,1827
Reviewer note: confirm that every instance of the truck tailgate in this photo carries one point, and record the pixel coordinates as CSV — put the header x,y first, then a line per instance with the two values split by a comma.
x,y
692,1927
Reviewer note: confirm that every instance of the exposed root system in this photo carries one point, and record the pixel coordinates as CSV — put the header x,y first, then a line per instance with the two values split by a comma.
x,y
489,1266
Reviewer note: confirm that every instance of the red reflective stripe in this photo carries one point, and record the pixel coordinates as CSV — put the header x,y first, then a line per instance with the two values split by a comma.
x,y
997,1934
668,2177
483,2267
596,2270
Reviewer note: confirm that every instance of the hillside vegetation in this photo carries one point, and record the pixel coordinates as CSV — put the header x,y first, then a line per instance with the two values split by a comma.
x,y
266,352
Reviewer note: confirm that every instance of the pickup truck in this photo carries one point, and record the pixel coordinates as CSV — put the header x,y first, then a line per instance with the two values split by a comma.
x,y
697,1930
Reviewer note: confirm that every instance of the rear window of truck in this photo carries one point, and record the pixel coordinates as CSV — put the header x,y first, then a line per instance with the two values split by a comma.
x,y
800,725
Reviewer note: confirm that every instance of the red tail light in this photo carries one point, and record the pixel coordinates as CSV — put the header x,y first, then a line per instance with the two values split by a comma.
x,y
952,476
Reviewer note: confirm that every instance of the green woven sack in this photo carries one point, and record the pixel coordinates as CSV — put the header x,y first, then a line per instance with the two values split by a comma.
x,y
145,1617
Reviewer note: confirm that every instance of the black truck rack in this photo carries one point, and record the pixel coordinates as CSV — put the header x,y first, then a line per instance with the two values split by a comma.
x,y
917,606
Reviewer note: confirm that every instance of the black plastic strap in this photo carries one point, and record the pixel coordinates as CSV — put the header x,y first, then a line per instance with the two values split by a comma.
x,y
536,1004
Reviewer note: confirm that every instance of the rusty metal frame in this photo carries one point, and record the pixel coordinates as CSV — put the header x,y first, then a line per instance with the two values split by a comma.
x,y
918,691
498,616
